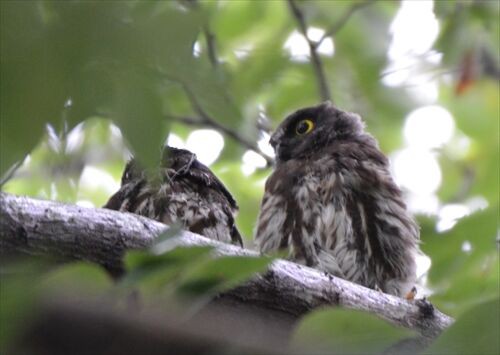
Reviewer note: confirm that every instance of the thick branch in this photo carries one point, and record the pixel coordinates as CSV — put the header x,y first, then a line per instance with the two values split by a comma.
x,y
319,71
102,236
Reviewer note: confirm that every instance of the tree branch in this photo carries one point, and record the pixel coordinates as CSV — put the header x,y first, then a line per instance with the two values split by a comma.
x,y
102,236
211,46
319,71
209,35
340,23
192,121
206,120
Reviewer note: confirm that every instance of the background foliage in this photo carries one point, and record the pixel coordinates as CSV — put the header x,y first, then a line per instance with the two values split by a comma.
x,y
69,69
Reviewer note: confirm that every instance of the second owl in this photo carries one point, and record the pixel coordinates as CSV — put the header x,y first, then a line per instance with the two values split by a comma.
x,y
333,204
181,190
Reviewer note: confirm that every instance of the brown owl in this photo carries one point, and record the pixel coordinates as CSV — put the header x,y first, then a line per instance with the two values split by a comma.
x,y
182,190
333,204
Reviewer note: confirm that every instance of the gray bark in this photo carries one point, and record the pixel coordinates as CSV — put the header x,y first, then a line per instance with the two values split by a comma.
x,y
102,236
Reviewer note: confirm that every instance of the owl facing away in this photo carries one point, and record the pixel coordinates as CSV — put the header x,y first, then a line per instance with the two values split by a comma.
x,y
333,204
181,190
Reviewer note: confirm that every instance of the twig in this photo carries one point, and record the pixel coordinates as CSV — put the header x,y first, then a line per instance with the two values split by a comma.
x,y
468,179
209,35
102,236
319,71
11,172
207,120
211,46
191,121
337,26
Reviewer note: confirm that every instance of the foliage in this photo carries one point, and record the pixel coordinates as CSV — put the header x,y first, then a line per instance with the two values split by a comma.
x,y
188,272
455,340
342,331
69,69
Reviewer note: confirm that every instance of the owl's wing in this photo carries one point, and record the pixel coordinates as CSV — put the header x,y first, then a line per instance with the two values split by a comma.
x,y
190,169
289,217
384,231
288,223
166,194
124,199
133,185
204,175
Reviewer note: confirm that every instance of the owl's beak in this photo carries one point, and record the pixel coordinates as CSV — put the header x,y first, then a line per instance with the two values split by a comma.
x,y
276,138
273,142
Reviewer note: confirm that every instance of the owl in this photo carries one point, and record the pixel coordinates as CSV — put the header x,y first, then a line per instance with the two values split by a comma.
x,y
181,190
332,203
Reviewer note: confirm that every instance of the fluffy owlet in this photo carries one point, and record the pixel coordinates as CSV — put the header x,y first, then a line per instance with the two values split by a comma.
x,y
182,190
333,204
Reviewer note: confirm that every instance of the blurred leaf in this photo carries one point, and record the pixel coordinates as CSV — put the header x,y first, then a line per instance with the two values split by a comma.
x,y
475,332
443,9
465,26
67,60
147,260
461,278
239,21
340,331
474,114
26,282
215,275
138,112
77,277
18,297
189,271
159,269
479,229
30,86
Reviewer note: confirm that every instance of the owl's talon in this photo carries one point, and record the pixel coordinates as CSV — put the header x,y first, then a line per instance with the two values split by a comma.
x,y
410,296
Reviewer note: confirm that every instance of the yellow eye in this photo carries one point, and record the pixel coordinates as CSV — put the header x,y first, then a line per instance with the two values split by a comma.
x,y
304,126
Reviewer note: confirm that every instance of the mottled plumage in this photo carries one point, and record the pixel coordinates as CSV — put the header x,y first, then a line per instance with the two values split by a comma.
x,y
182,190
333,204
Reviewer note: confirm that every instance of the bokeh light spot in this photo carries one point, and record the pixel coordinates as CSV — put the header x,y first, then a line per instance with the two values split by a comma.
x,y
207,144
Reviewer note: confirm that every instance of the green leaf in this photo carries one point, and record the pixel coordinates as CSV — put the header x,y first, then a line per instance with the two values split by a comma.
x,y
475,332
153,272
446,249
106,57
18,297
215,275
91,279
340,331
30,88
461,278
137,110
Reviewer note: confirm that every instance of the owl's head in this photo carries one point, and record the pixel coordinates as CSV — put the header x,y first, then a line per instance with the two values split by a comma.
x,y
132,172
179,160
307,130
